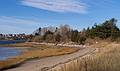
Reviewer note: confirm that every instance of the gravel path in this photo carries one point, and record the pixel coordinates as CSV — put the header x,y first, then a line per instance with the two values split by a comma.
x,y
48,62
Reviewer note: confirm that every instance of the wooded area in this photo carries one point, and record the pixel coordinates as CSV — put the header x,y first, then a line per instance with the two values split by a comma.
x,y
105,30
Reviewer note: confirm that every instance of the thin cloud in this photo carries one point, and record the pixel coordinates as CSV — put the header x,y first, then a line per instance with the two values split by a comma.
x,y
74,6
13,25
17,21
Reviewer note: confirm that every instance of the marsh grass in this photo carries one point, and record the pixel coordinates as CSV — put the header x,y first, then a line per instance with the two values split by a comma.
x,y
26,44
41,52
108,59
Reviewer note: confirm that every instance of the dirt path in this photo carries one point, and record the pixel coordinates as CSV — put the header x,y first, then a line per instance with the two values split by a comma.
x,y
48,62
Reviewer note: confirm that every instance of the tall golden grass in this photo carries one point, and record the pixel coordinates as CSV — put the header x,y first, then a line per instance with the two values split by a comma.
x,y
107,59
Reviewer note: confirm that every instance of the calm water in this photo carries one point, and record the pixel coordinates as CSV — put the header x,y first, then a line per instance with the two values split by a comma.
x,y
11,41
7,52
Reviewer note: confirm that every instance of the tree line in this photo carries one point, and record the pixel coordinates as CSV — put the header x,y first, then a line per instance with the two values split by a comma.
x,y
107,29
64,33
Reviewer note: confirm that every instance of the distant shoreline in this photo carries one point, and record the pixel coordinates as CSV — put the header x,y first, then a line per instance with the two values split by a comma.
x,y
7,42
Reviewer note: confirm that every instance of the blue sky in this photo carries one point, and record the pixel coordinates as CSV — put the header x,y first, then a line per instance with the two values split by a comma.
x,y
24,16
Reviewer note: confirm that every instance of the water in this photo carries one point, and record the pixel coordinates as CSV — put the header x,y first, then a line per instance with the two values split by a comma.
x,y
11,41
7,52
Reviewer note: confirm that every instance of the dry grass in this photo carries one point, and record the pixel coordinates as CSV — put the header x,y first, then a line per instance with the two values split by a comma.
x,y
107,59
26,44
46,51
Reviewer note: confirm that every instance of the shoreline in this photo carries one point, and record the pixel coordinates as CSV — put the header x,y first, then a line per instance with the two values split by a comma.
x,y
50,62
26,56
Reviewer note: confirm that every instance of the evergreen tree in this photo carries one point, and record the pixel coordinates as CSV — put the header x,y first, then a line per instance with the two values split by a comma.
x,y
74,36
104,30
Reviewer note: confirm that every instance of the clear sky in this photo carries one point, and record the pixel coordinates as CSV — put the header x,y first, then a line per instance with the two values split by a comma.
x,y
24,16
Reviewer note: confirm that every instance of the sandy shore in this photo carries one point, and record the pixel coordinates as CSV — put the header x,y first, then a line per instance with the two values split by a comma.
x,y
46,63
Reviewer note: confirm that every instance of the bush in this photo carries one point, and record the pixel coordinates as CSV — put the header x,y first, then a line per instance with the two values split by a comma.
x,y
82,40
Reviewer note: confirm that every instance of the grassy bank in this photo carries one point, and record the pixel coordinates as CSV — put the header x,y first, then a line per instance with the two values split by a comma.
x,y
106,59
41,52
26,44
